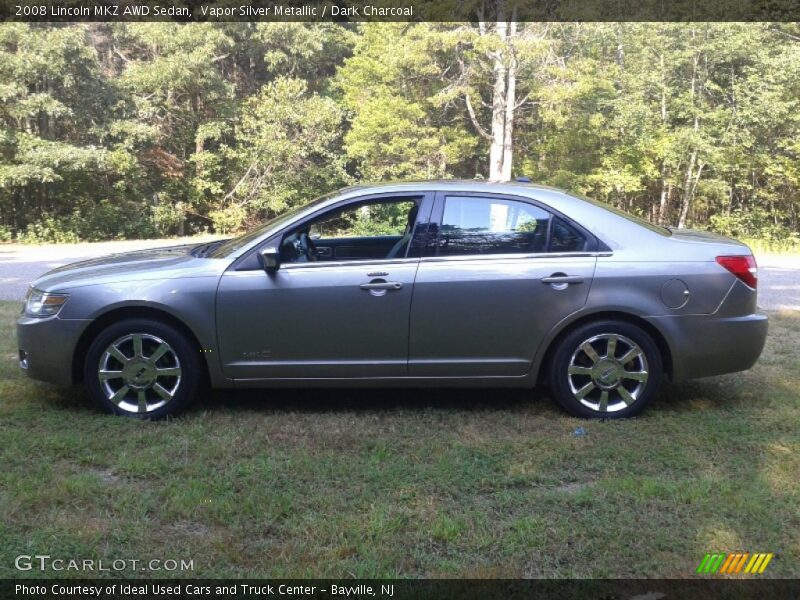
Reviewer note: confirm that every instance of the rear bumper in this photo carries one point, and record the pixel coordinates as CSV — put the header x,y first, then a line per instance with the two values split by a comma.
x,y
48,346
705,345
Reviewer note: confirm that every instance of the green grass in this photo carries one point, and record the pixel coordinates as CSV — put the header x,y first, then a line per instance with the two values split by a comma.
x,y
789,246
408,483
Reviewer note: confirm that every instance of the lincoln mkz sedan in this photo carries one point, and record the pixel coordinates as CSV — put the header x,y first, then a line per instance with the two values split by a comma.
x,y
452,283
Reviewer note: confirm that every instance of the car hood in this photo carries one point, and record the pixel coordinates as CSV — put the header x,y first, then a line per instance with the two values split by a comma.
x,y
154,263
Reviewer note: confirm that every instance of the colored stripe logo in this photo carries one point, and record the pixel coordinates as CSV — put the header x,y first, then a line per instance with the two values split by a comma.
x,y
740,562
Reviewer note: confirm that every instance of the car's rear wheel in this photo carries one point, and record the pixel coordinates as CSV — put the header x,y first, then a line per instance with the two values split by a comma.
x,y
606,369
142,368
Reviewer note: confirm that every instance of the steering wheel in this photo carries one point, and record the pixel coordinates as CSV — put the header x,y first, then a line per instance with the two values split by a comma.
x,y
305,246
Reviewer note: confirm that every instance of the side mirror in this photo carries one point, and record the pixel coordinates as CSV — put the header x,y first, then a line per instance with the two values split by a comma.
x,y
270,259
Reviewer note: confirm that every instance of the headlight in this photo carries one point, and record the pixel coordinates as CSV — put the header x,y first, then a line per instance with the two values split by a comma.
x,y
42,304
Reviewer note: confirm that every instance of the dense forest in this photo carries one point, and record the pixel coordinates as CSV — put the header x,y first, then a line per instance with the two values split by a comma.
x,y
153,129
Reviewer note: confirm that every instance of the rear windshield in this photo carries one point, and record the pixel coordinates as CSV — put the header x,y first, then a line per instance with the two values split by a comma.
x,y
632,218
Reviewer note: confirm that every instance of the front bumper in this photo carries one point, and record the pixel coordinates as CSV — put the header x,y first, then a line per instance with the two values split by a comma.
x,y
706,345
48,346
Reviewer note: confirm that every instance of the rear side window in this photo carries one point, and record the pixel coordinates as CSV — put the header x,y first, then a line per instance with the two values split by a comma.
x,y
473,225
565,238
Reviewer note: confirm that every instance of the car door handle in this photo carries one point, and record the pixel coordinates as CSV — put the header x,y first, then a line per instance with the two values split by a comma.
x,y
557,278
383,285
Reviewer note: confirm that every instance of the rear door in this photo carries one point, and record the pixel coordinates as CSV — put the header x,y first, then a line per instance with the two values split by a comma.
x,y
498,274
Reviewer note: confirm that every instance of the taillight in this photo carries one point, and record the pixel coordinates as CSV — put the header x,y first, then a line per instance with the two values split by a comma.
x,y
744,267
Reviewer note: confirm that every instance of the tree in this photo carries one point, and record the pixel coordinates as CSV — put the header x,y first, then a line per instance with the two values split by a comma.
x,y
402,125
287,151
137,129
52,96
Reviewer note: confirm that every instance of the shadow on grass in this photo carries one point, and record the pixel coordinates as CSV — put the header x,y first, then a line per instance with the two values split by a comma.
x,y
698,395
329,400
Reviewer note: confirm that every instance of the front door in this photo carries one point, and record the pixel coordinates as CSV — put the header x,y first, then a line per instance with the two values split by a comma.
x,y
325,316
500,274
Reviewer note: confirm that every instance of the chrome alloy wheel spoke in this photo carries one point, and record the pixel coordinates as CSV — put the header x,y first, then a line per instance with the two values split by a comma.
x,y
603,406
590,351
137,345
630,355
626,396
166,395
581,393
118,396
117,353
611,349
141,399
635,375
576,370
168,372
103,375
139,373
159,352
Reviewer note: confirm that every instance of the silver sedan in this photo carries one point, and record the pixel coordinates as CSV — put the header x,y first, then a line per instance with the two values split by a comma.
x,y
451,283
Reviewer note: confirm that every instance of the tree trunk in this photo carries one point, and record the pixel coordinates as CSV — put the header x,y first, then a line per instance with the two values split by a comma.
x,y
511,99
692,179
663,204
504,90
498,101
687,190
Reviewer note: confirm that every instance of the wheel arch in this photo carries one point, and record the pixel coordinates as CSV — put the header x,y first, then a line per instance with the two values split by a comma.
x,y
127,312
658,338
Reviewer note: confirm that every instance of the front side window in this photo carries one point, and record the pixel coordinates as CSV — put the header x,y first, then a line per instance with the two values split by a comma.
x,y
365,220
381,229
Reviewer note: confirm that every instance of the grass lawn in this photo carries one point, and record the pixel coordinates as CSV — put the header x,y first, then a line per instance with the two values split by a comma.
x,y
408,483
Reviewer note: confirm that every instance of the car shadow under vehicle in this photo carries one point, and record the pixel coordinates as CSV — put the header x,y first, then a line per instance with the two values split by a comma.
x,y
362,399
711,393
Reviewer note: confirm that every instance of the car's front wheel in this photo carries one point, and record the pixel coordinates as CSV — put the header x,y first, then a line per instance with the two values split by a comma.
x,y
606,369
142,368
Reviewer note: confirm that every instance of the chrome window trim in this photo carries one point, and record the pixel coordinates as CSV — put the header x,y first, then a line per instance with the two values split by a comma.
x,y
327,263
470,257
430,259
345,263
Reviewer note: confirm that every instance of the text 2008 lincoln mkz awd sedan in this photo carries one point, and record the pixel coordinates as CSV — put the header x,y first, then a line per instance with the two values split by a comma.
x,y
452,283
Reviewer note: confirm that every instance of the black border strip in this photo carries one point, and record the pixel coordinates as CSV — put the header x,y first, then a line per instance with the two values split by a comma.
x,y
399,10
705,587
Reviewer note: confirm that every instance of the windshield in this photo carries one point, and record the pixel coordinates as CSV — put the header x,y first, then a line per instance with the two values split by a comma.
x,y
233,244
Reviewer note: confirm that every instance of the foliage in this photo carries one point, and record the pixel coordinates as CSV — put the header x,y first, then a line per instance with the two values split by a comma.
x,y
386,218
139,129
287,151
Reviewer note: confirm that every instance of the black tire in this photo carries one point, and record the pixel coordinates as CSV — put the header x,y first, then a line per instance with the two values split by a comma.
x,y
180,365
574,372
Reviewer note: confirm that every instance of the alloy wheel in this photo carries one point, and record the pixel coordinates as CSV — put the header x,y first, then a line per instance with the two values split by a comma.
x,y
607,372
139,372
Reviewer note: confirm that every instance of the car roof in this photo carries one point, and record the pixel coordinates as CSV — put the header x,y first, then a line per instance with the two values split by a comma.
x,y
443,184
